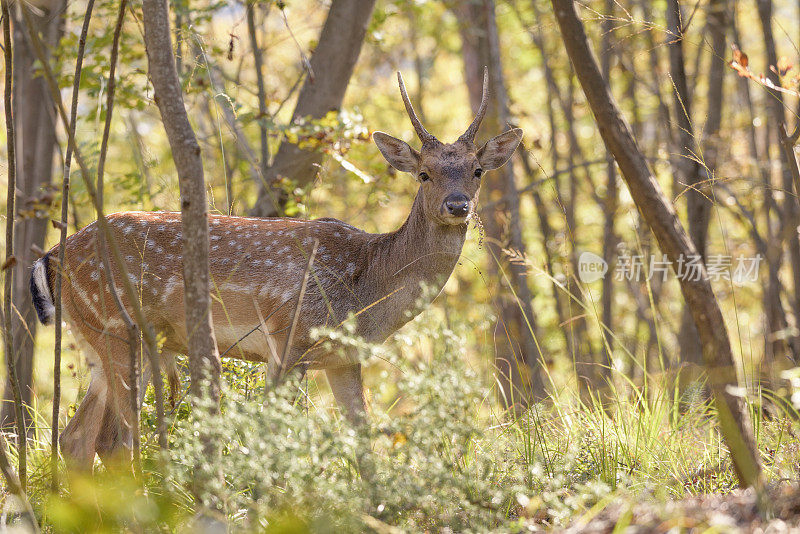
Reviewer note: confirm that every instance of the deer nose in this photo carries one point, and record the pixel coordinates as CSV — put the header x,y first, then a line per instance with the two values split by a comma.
x,y
457,204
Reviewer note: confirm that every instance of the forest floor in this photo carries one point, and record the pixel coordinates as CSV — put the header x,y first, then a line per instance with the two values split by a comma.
x,y
736,512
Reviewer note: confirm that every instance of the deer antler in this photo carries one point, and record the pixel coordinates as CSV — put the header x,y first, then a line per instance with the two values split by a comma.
x,y
469,135
422,133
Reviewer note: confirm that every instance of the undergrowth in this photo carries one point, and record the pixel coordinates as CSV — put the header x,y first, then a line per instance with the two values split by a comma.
x,y
438,453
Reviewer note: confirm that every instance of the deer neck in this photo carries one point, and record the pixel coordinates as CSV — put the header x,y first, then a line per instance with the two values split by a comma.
x,y
413,262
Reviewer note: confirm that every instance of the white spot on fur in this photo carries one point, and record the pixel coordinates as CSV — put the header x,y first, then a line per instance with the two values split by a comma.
x,y
172,284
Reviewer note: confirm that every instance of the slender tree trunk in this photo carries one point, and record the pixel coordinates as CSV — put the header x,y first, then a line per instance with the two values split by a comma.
x,y
611,202
36,142
204,362
672,238
65,195
548,236
685,167
698,197
17,486
584,357
332,66
563,301
517,354
777,114
580,349
775,347
258,64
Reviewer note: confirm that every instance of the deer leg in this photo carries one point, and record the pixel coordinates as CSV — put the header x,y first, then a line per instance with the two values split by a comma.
x,y
78,438
348,391
173,378
106,428
119,417
170,366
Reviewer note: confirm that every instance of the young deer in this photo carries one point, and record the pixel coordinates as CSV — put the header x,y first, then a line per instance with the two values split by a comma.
x,y
258,267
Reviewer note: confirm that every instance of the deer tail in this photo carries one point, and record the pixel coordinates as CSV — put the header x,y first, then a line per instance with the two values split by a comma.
x,y
41,292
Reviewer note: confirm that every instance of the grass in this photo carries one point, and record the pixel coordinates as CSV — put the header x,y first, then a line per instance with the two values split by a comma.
x,y
439,452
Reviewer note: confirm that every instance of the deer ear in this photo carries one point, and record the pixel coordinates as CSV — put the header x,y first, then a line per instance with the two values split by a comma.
x,y
398,153
498,149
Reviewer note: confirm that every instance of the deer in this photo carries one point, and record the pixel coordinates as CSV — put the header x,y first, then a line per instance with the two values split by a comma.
x,y
269,276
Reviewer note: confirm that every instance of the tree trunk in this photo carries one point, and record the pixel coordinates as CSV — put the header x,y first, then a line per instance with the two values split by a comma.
x,y
674,242
36,142
777,115
688,172
517,356
332,66
775,347
204,362
576,331
610,205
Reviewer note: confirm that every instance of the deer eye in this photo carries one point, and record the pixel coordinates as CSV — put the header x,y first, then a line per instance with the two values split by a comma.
x,y
478,173
423,176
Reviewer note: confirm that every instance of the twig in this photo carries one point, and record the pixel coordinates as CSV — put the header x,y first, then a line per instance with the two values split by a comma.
x,y
8,338
296,318
65,190
261,322
303,57
258,61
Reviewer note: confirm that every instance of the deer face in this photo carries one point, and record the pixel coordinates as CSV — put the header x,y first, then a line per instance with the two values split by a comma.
x,y
449,174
